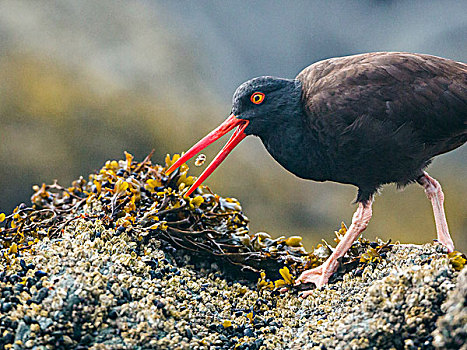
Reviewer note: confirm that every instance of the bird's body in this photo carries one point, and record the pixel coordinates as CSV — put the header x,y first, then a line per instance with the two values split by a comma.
x,y
366,120
373,119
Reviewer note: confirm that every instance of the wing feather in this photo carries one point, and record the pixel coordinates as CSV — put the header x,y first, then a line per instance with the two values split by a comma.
x,y
425,93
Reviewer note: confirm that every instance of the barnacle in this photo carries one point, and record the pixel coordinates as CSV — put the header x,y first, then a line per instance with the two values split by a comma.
x,y
322,251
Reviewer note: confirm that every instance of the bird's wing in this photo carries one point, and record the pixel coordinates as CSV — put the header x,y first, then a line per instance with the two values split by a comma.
x,y
409,95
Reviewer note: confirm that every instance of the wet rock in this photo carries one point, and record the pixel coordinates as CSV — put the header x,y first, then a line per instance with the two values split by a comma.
x,y
451,331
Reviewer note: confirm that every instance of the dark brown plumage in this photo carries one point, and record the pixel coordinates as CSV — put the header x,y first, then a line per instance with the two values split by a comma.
x,y
383,116
365,120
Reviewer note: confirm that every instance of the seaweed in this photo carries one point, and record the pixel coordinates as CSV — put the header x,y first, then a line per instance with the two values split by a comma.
x,y
140,199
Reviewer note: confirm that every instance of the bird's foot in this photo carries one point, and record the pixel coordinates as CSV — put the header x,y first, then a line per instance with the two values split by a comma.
x,y
319,276
450,246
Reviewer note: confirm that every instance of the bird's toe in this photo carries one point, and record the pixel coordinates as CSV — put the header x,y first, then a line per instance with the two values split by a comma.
x,y
450,247
317,276
310,276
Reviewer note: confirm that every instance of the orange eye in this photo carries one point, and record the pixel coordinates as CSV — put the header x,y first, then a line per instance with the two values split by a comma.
x,y
257,98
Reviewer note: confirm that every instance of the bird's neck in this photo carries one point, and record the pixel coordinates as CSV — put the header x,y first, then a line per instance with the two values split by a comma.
x,y
295,146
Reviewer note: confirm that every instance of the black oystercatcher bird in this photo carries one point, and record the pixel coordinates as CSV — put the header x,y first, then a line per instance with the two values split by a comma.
x,y
365,120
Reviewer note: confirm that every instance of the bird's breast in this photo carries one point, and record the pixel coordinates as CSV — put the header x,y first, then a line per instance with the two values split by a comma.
x,y
297,152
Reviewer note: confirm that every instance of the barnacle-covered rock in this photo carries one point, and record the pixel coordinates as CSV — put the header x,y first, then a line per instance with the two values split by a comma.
x,y
452,326
122,259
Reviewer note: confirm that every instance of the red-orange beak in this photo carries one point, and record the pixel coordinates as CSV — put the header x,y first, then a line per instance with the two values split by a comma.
x,y
230,123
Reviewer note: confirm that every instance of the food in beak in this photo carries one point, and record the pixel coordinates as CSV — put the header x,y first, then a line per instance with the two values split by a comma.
x,y
200,160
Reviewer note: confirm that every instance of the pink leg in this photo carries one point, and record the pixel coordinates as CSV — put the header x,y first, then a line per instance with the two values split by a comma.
x,y
320,275
435,195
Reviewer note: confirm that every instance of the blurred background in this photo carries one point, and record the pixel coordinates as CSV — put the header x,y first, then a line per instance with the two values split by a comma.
x,y
82,81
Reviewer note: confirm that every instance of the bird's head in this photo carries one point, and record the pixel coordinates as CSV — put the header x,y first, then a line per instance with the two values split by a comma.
x,y
258,105
264,102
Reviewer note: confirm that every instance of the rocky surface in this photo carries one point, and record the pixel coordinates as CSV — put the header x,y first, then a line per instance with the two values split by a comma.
x,y
451,328
124,261
89,289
